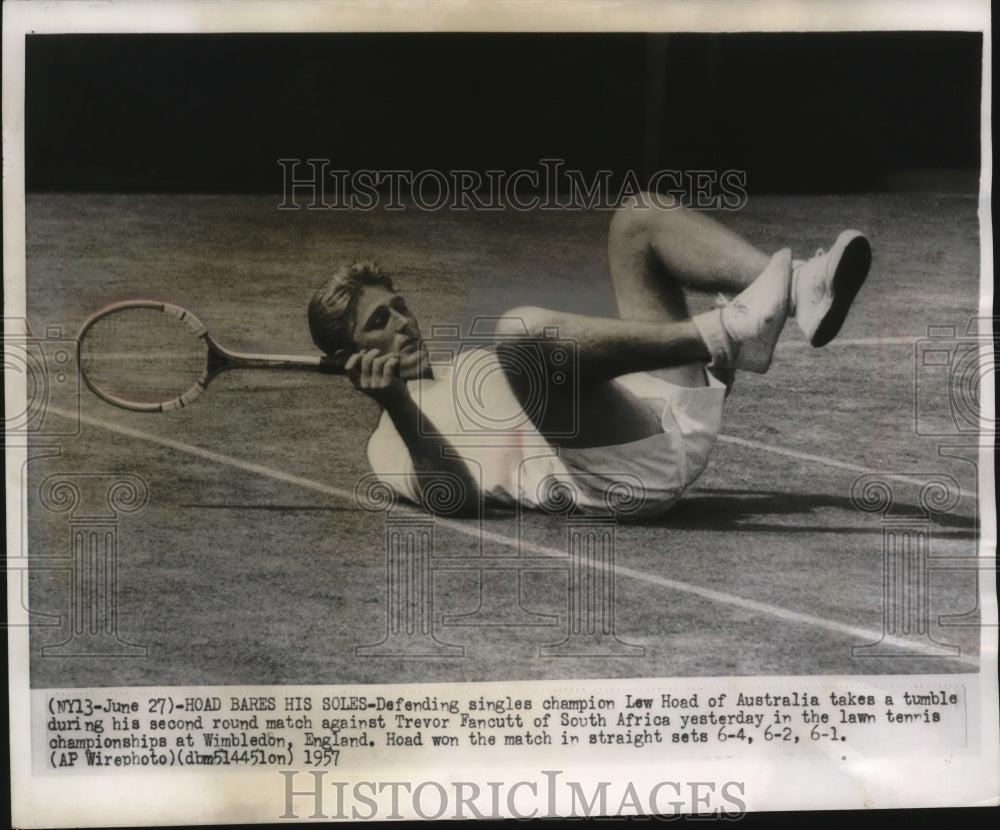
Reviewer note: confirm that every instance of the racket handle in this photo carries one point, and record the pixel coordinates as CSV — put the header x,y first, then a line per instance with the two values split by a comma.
x,y
329,366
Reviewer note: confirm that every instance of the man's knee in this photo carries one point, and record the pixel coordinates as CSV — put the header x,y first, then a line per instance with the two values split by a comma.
x,y
637,212
641,220
523,322
633,220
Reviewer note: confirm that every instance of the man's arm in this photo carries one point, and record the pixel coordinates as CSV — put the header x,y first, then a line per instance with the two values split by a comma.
x,y
376,375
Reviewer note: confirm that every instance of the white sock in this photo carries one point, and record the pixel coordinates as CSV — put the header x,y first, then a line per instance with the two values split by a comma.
x,y
717,339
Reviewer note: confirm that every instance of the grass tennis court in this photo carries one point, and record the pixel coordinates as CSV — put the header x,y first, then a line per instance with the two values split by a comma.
x,y
252,563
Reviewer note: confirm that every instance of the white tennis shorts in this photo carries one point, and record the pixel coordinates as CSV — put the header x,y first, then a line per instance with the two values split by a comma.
x,y
661,466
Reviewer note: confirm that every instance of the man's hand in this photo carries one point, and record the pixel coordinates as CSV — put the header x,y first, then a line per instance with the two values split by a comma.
x,y
377,375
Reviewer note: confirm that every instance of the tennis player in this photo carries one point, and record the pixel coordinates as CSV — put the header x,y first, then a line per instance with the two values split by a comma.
x,y
634,401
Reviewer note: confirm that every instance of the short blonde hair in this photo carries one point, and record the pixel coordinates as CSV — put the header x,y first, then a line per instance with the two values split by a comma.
x,y
333,307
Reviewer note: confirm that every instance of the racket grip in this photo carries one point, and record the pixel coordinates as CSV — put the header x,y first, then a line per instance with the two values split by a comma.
x,y
329,366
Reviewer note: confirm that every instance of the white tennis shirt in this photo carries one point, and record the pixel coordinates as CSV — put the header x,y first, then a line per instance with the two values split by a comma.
x,y
474,407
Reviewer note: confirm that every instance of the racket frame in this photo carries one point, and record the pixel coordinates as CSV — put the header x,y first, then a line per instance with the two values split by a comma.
x,y
218,358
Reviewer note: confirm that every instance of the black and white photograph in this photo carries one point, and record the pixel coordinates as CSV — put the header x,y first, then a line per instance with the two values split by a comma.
x,y
545,384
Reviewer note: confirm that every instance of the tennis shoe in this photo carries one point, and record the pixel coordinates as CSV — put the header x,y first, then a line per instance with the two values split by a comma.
x,y
754,319
824,287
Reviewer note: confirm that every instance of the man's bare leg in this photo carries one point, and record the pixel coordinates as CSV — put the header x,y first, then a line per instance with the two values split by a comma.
x,y
654,255
655,252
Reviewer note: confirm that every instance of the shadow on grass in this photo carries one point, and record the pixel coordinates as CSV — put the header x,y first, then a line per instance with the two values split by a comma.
x,y
741,510
702,509
280,508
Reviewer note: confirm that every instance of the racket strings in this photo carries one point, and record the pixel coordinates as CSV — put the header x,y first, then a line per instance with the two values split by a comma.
x,y
143,356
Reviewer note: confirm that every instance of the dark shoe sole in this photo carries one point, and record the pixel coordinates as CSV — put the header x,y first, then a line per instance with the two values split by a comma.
x,y
847,281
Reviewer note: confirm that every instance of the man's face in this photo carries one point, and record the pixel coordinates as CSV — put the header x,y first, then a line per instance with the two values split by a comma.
x,y
384,322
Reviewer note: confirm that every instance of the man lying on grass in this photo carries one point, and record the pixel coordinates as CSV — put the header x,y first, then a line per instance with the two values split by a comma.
x,y
585,403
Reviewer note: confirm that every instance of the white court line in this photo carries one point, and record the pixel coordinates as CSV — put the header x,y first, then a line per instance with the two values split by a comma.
x,y
861,635
828,462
